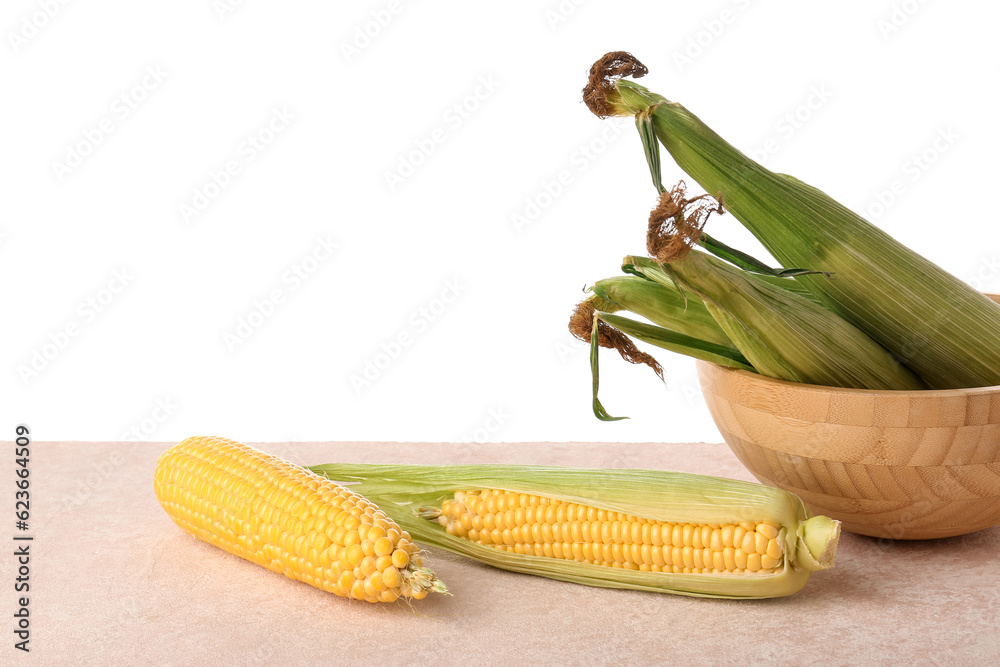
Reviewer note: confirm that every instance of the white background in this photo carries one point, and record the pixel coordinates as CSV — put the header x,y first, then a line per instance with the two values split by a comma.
x,y
883,79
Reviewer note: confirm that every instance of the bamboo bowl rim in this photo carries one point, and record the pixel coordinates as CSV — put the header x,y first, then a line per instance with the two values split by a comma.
x,y
804,386
839,406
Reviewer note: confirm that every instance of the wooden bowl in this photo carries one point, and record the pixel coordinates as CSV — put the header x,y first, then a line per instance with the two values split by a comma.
x,y
904,465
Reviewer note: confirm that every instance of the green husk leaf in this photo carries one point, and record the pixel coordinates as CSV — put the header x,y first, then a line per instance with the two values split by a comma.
x,y
595,376
748,263
651,146
724,355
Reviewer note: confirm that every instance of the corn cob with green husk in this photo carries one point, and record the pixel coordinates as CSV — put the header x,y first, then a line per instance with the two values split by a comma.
x,y
640,529
782,334
773,330
937,325
661,304
594,321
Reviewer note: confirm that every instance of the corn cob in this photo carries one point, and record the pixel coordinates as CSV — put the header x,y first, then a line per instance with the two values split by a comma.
x,y
782,334
289,520
639,529
682,323
663,305
940,327
592,323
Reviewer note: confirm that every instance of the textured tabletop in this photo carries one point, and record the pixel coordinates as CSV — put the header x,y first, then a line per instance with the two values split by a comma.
x,y
114,581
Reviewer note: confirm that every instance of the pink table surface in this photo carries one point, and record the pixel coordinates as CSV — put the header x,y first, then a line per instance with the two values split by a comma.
x,y
114,581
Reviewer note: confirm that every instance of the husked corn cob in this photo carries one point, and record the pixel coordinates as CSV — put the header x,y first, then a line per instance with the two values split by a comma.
x,y
541,526
289,520
641,529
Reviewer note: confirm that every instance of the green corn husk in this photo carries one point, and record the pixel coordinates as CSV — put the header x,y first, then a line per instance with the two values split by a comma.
x,y
603,329
725,355
651,270
940,327
594,322
809,543
783,335
662,305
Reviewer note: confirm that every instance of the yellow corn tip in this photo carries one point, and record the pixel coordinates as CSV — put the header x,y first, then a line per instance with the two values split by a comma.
x,y
540,526
289,520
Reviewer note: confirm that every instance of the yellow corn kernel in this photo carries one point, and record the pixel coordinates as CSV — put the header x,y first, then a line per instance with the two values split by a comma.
x,y
768,530
375,581
287,519
715,542
367,547
773,549
704,538
376,533
635,551
760,543
391,578
355,554
382,547
400,559
739,534
748,543
351,537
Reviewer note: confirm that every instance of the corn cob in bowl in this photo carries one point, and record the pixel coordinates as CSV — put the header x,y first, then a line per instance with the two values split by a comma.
x,y
935,324
289,520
